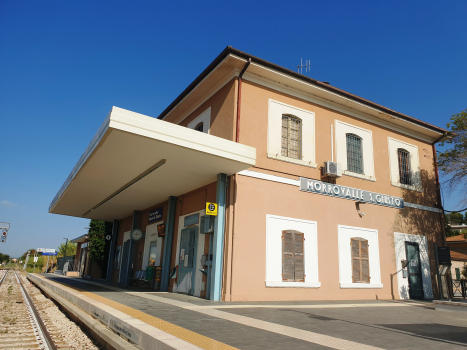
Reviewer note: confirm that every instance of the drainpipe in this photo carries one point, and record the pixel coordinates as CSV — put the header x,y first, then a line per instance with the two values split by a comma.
x,y
438,187
239,98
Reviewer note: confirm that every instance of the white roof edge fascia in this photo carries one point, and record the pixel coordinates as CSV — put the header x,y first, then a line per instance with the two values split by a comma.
x,y
142,125
82,160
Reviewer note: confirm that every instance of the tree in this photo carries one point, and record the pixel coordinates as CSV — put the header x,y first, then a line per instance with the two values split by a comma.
x,y
453,161
98,249
4,258
455,218
70,249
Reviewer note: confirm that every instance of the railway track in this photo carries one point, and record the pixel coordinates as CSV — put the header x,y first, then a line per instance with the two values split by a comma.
x,y
21,326
28,320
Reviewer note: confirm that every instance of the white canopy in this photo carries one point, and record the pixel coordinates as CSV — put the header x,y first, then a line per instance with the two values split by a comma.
x,y
135,161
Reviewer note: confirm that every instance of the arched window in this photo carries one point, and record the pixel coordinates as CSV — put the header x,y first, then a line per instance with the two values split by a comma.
x,y
291,137
360,260
354,153
199,127
403,157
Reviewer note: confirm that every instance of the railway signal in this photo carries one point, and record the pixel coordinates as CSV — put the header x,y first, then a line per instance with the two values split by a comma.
x,y
4,227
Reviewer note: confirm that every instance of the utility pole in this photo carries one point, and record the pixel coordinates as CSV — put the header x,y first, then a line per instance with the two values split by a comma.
x,y
66,244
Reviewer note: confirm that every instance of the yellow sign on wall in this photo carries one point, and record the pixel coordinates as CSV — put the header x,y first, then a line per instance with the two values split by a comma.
x,y
211,209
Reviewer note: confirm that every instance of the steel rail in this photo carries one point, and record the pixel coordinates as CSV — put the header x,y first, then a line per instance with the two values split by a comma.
x,y
47,338
3,277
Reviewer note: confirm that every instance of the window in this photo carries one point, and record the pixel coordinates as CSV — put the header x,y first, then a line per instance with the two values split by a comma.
x,y
360,260
199,127
354,153
202,122
118,250
291,137
293,260
458,273
403,157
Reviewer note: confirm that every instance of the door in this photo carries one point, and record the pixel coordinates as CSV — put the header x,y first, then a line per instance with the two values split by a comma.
x,y
152,253
414,270
187,260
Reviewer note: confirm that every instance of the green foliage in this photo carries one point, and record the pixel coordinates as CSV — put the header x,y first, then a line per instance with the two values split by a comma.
x,y
98,249
453,162
70,249
4,258
455,218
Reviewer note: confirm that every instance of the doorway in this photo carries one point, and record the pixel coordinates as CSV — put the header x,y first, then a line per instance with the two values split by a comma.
x,y
187,259
414,271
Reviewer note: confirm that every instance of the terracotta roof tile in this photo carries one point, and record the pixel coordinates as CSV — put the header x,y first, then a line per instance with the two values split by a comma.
x,y
458,238
458,256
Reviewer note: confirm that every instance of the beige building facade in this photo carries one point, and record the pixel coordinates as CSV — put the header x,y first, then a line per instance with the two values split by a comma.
x,y
321,194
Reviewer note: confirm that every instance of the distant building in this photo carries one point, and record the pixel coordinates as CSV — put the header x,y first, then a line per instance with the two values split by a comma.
x,y
458,247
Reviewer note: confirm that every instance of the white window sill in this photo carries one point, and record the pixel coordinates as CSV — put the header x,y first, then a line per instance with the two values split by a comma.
x,y
360,176
407,187
292,160
281,284
361,285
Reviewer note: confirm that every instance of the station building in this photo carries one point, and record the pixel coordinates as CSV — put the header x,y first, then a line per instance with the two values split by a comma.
x,y
321,194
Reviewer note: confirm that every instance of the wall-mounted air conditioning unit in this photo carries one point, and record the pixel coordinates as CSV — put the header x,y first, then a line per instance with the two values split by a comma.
x,y
332,169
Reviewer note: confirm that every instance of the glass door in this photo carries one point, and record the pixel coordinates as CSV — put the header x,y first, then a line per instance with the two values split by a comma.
x,y
152,253
414,270
187,260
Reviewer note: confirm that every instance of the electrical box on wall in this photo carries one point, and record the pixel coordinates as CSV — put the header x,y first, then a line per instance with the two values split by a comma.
x,y
207,224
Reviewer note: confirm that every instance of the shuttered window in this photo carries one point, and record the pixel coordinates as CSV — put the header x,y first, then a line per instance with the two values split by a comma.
x,y
293,258
360,261
354,153
403,158
291,137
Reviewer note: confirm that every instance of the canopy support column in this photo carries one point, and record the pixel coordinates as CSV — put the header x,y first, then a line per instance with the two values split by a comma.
x,y
169,233
131,254
113,243
218,239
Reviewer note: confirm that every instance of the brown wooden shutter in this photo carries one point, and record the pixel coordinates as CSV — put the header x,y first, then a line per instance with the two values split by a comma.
x,y
360,260
287,256
365,261
299,259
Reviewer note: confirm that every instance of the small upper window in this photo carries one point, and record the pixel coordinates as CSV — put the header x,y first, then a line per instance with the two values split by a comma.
x,y
199,127
403,157
354,153
291,137
360,260
293,260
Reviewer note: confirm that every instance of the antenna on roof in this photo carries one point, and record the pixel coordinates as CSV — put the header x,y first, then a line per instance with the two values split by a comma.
x,y
307,66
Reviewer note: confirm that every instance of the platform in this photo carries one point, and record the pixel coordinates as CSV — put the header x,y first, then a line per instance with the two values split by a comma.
x,y
155,320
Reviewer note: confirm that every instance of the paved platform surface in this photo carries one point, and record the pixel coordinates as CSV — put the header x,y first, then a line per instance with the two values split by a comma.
x,y
287,325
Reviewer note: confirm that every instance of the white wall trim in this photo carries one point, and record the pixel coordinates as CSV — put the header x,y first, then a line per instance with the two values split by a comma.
x,y
400,254
422,207
345,233
275,284
393,146
276,110
342,129
287,181
274,226
361,285
204,118
274,178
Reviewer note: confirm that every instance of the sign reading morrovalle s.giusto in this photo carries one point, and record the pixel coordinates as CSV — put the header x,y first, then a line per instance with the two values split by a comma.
x,y
315,186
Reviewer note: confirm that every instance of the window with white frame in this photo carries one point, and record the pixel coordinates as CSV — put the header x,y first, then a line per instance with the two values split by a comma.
x,y
202,122
291,134
404,165
359,265
291,253
291,137
354,150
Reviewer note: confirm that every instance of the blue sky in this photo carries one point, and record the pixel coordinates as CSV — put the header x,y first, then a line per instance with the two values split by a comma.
x,y
64,64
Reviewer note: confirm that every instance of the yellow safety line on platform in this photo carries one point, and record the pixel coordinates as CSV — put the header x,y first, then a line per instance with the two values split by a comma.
x,y
177,331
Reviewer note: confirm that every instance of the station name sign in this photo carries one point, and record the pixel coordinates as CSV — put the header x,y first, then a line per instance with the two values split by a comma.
x,y
315,186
